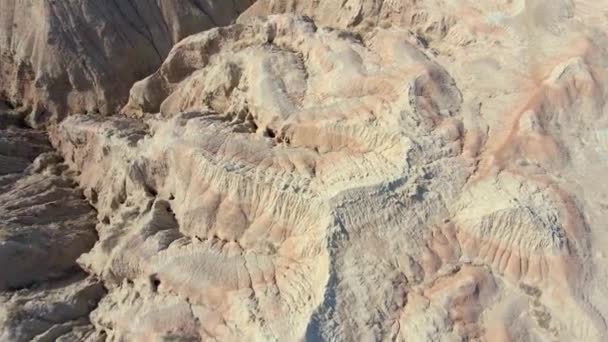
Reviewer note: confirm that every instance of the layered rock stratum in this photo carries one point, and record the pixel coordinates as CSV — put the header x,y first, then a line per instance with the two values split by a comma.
x,y
316,171
82,56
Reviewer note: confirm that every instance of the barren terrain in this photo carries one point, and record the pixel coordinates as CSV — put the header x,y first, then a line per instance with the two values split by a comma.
x,y
358,170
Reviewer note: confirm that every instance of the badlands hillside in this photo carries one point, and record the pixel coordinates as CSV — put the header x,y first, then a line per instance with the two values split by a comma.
x,y
304,170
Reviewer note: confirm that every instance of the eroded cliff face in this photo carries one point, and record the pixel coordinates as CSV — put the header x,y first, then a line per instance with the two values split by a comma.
x,y
325,178
46,224
82,56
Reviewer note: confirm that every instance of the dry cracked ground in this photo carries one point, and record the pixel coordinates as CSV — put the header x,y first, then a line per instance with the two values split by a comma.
x,y
299,170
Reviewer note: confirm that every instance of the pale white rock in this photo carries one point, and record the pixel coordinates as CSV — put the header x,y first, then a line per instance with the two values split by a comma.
x,y
378,170
304,182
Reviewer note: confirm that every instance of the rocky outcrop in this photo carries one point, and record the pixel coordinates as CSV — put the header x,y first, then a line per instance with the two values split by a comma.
x,y
280,180
82,56
428,19
375,170
46,225
52,311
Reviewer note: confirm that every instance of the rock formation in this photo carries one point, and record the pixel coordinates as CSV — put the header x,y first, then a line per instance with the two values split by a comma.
x,y
79,56
46,225
327,171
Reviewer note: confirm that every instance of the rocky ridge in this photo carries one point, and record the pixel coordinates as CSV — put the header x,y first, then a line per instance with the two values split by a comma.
x,y
82,56
378,175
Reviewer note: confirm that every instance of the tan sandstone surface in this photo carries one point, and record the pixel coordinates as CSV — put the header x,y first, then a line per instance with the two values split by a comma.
x,y
359,170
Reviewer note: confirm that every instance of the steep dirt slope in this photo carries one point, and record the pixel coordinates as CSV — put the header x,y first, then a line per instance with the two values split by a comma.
x,y
79,56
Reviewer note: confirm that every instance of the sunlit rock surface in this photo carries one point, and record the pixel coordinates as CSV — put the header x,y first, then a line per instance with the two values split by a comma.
x,y
370,171
64,57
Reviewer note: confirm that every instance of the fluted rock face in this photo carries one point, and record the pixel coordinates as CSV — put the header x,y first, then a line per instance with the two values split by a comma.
x,y
374,170
304,182
78,56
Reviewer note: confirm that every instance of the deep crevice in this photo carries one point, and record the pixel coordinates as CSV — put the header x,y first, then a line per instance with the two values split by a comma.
x,y
154,282
270,133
